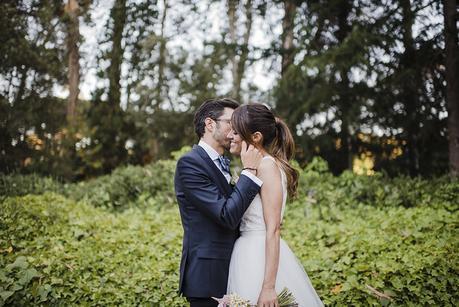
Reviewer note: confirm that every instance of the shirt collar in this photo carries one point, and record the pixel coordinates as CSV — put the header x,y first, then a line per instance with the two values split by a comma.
x,y
213,154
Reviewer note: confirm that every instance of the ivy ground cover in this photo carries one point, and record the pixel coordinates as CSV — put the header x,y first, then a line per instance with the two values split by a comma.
x,y
57,251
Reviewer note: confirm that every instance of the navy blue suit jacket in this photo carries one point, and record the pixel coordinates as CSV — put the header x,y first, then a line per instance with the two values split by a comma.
x,y
211,211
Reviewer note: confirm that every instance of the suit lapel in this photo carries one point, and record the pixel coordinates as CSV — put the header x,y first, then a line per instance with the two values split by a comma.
x,y
220,179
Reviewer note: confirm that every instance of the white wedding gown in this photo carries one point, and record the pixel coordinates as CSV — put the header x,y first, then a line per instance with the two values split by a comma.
x,y
247,264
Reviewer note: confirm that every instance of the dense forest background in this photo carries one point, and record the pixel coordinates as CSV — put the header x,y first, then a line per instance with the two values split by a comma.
x,y
96,106
87,86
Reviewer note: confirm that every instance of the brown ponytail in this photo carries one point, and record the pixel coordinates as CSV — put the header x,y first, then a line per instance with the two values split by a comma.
x,y
277,139
283,149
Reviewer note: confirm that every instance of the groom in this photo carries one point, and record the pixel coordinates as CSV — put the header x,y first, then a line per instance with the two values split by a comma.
x,y
210,208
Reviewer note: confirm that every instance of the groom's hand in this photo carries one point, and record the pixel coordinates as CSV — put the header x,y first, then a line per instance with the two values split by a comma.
x,y
250,157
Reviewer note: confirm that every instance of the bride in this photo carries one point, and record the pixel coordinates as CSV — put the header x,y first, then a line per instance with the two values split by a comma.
x,y
261,262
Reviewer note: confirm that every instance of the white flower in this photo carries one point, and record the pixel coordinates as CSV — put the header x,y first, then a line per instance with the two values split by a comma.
x,y
285,299
232,300
234,179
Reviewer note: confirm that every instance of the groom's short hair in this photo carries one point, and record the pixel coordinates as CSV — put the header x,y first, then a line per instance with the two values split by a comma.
x,y
212,108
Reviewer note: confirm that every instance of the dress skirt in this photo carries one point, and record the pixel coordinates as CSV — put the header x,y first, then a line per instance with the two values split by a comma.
x,y
247,268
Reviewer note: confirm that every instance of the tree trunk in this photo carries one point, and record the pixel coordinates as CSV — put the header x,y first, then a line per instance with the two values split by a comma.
x,y
344,103
288,23
409,94
244,51
72,10
452,83
114,152
162,60
238,57
118,15
232,25
22,85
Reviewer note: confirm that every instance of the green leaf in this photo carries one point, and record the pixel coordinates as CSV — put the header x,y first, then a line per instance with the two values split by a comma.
x,y
20,262
43,292
27,275
6,294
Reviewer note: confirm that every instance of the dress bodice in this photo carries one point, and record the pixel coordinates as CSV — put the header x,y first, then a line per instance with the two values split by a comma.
x,y
253,217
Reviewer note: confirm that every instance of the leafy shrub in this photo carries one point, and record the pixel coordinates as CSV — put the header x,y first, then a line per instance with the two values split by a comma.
x,y
56,251
128,186
18,185
136,186
16,278
59,252
318,185
116,240
131,186
371,256
125,187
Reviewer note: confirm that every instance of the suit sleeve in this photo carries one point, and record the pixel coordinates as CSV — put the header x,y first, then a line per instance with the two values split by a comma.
x,y
204,194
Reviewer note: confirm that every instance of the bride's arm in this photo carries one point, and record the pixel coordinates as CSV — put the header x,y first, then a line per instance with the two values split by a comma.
x,y
271,197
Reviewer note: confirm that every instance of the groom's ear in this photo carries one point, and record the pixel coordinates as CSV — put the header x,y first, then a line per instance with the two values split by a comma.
x,y
208,122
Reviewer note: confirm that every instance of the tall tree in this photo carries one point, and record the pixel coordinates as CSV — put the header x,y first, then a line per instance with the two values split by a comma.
x,y
31,56
239,52
232,24
320,95
452,82
161,91
410,94
288,24
118,17
344,103
106,117
409,88
73,36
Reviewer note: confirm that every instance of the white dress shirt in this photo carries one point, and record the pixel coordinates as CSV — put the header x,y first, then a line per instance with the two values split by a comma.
x,y
213,154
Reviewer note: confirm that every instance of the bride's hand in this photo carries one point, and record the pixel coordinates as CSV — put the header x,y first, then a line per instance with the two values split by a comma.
x,y
250,156
268,298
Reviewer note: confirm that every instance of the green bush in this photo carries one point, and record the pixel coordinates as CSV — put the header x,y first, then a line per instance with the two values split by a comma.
x,y
116,240
141,186
371,256
125,187
60,252
349,189
129,186
18,185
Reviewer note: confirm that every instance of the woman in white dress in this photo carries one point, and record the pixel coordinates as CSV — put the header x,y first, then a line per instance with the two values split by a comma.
x,y
261,263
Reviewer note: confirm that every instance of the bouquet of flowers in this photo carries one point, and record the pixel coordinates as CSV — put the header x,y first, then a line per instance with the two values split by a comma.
x,y
285,299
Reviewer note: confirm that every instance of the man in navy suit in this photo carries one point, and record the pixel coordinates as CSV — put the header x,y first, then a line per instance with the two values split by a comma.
x,y
210,208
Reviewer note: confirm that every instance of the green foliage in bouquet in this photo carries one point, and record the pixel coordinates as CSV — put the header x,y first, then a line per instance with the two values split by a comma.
x,y
286,299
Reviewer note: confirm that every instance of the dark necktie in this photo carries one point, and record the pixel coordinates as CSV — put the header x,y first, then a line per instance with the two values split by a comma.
x,y
224,163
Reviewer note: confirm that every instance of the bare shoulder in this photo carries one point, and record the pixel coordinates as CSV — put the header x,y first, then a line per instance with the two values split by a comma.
x,y
268,168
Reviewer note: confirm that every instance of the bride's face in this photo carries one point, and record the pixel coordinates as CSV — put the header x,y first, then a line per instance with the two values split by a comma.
x,y
236,141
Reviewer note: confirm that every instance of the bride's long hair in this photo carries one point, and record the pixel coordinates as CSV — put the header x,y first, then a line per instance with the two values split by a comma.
x,y
277,138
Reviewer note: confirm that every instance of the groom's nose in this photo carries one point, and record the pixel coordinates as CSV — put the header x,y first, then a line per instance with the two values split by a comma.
x,y
230,134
